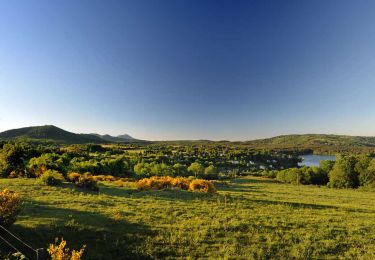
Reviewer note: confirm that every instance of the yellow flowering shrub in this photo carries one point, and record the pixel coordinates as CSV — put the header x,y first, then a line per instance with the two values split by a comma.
x,y
120,183
59,252
10,207
84,181
73,177
87,181
166,182
181,182
202,186
157,183
105,178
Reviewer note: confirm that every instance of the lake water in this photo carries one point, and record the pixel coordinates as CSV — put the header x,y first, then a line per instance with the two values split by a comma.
x,y
314,160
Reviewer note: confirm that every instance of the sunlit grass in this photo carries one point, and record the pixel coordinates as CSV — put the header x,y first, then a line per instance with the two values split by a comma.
x,y
252,218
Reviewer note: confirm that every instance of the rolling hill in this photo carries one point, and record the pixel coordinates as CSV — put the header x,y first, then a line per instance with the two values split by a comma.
x,y
316,139
55,134
317,142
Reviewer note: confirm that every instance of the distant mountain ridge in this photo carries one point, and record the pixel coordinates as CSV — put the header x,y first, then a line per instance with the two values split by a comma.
x,y
119,138
302,141
56,134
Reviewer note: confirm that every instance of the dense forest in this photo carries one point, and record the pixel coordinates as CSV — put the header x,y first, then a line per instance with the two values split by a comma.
x,y
25,159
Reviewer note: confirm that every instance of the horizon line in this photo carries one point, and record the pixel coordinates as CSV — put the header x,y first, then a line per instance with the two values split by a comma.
x,y
199,139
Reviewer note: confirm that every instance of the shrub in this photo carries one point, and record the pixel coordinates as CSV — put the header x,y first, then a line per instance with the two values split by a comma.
x,y
166,182
180,182
86,181
10,207
73,177
269,173
105,178
13,175
280,176
126,179
119,183
59,252
52,177
202,186
154,182
294,175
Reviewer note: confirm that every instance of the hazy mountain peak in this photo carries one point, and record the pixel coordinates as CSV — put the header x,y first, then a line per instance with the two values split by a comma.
x,y
125,136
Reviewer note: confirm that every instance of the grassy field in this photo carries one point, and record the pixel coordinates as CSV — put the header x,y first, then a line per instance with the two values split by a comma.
x,y
253,218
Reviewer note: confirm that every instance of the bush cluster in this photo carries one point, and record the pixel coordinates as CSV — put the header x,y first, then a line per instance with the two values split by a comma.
x,y
304,175
105,178
166,182
73,177
10,207
84,181
202,186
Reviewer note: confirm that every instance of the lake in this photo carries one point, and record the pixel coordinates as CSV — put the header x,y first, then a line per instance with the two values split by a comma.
x,y
314,160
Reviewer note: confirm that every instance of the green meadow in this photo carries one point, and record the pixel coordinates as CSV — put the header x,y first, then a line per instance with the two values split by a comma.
x,y
251,218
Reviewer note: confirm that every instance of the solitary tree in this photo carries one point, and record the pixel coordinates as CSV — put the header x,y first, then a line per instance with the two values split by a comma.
x,y
210,170
196,168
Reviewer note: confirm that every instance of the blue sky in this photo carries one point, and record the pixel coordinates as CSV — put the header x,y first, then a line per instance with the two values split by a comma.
x,y
234,70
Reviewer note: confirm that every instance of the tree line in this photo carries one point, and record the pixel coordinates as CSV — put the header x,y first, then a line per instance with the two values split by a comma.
x,y
348,171
23,159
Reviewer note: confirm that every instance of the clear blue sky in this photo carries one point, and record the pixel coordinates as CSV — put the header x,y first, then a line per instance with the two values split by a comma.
x,y
181,69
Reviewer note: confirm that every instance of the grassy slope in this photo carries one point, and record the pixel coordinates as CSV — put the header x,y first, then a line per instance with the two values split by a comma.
x,y
254,218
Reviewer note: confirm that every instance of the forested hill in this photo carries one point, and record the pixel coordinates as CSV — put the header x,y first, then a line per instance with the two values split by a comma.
x,y
50,133
55,134
317,142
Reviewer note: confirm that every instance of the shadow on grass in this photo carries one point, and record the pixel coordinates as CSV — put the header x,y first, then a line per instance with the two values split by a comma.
x,y
71,186
300,205
169,194
295,205
104,237
254,180
242,189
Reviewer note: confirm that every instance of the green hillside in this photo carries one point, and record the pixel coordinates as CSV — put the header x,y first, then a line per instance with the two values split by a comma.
x,y
50,133
317,142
